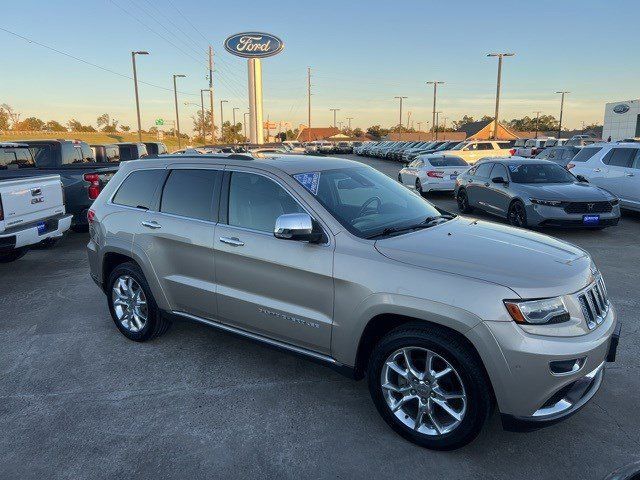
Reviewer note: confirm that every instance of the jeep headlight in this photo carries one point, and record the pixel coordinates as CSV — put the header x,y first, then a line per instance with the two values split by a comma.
x,y
538,312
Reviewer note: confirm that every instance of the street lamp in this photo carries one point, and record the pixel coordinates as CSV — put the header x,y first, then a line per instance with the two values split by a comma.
x,y
334,110
537,112
244,124
400,122
437,125
234,121
435,84
202,90
349,120
135,84
222,117
500,57
175,97
562,93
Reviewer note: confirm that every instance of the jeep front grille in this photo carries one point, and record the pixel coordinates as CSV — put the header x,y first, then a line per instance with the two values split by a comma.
x,y
594,303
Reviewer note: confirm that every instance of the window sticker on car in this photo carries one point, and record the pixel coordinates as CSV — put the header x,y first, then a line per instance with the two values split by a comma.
x,y
310,181
514,168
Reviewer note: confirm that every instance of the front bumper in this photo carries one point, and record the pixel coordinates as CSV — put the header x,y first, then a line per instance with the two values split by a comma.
x,y
519,365
24,236
544,216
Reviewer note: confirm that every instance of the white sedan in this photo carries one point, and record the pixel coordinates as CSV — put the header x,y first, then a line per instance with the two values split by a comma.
x,y
433,172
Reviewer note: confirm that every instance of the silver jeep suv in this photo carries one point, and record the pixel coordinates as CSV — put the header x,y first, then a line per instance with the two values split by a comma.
x,y
330,259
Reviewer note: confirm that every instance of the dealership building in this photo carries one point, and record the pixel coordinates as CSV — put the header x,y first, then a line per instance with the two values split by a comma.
x,y
621,120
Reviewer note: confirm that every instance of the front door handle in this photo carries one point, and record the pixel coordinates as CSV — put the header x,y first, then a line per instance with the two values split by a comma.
x,y
630,174
597,170
233,241
152,224
486,184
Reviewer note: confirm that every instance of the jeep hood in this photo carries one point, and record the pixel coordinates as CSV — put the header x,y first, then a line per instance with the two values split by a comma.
x,y
531,264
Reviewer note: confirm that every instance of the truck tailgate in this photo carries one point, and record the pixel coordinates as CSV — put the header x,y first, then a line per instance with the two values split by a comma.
x,y
30,199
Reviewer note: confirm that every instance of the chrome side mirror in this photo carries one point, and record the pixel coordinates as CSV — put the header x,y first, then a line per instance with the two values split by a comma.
x,y
297,226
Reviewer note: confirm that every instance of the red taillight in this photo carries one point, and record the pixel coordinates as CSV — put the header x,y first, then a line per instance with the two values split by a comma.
x,y
91,215
570,166
512,152
94,188
1,210
434,174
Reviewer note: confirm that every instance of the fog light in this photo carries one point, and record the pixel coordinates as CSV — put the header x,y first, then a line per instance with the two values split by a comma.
x,y
565,367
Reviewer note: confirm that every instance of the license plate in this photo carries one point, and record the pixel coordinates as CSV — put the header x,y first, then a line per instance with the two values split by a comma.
x,y
591,219
454,176
42,228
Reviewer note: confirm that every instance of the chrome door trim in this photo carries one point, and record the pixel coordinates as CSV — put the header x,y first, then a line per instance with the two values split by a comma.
x,y
233,241
255,336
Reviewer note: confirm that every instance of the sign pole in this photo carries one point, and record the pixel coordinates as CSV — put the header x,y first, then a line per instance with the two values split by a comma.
x,y
256,133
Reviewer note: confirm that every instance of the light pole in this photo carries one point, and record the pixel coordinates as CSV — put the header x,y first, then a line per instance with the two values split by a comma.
x,y
244,123
349,120
204,140
400,122
222,118
500,57
444,128
175,97
435,84
234,121
562,93
408,119
437,125
419,130
135,84
334,110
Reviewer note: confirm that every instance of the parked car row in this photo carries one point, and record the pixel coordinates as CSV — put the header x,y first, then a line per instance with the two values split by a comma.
x,y
326,147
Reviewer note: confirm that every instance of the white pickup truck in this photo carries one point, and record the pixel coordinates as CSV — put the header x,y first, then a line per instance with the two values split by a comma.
x,y
31,211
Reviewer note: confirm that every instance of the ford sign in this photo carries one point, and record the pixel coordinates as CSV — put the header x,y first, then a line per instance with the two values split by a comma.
x,y
621,108
253,45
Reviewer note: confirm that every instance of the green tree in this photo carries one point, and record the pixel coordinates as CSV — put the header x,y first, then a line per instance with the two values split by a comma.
x,y
357,132
4,120
377,131
125,128
75,126
54,126
465,120
14,117
546,123
29,124
232,133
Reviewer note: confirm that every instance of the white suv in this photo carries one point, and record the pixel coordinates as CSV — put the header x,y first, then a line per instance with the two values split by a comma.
x,y
474,150
614,167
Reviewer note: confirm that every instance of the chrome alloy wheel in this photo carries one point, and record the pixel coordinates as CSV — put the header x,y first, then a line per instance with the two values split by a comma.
x,y
423,390
129,303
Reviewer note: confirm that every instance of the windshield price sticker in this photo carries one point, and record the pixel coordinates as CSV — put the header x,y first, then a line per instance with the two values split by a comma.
x,y
310,181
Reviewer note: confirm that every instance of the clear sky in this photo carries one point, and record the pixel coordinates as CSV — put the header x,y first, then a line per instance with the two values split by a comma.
x,y
362,53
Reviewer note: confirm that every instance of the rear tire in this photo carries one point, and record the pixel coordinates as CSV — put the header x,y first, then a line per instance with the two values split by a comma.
x,y
13,255
463,202
134,322
466,377
419,188
49,242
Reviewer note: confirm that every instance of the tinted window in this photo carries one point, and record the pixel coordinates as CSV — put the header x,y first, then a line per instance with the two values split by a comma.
x,y
620,157
485,146
509,144
112,154
539,173
42,155
585,154
255,202
15,158
447,162
568,153
138,188
483,170
499,171
191,193
142,151
125,152
546,153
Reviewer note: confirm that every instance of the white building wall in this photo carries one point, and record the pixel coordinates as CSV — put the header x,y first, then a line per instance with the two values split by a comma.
x,y
621,125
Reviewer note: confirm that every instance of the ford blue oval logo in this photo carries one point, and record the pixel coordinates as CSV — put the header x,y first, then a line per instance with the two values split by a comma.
x,y
253,45
621,108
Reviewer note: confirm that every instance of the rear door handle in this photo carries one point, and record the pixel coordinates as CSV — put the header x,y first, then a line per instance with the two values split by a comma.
x,y
152,224
597,170
630,174
233,241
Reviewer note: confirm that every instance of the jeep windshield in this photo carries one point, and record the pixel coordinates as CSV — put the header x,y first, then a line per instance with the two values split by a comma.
x,y
370,204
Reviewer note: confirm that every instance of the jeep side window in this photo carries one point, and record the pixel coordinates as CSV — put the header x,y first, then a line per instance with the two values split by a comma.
x,y
191,193
139,188
255,202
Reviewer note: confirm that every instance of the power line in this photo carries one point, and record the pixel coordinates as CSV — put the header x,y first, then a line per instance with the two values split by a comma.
x,y
81,60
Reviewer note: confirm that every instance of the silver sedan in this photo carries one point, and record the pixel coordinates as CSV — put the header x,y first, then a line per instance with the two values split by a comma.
x,y
535,193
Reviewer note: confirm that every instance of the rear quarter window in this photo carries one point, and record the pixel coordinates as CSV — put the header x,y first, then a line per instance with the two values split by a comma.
x,y
15,158
585,154
447,162
138,189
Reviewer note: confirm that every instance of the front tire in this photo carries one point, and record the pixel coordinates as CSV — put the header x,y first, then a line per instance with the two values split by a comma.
x,y
517,215
463,202
132,306
429,387
13,255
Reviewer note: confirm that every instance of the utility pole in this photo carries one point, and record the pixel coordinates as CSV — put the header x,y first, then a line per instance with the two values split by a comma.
x,y
175,97
435,84
334,110
308,104
495,120
202,90
437,125
135,84
213,126
244,122
537,121
419,130
444,129
408,119
400,121
349,120
562,93
222,118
